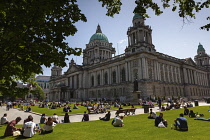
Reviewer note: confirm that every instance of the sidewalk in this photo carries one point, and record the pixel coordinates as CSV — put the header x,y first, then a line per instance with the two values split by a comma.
x,y
13,113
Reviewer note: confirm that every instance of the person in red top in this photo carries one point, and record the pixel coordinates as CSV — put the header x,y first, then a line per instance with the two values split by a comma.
x,y
11,127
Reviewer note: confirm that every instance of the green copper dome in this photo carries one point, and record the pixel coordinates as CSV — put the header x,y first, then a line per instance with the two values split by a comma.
x,y
200,48
99,35
137,15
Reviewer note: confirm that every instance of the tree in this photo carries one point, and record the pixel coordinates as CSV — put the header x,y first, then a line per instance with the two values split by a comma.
x,y
185,8
33,33
38,93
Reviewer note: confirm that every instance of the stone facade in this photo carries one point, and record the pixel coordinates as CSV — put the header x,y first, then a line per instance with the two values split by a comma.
x,y
156,74
43,82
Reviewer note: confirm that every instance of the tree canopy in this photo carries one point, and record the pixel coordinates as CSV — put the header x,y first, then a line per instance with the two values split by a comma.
x,y
33,32
185,8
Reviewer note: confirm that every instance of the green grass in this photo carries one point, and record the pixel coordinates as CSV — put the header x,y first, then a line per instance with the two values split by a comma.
x,y
136,127
59,111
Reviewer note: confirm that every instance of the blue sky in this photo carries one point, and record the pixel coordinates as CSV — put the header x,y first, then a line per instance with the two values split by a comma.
x,y
170,34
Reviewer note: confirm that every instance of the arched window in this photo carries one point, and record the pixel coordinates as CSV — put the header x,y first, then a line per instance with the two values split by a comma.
x,y
92,81
106,78
114,76
98,79
123,74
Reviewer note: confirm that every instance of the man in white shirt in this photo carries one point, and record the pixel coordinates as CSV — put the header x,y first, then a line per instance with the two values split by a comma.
x,y
55,118
118,122
29,128
4,119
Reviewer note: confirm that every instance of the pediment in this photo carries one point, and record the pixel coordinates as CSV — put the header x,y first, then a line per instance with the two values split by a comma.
x,y
190,61
73,68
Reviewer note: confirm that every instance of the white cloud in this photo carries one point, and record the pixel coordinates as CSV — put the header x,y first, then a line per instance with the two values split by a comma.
x,y
122,41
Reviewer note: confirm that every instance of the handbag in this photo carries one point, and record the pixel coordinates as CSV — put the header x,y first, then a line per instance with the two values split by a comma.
x,y
16,133
161,125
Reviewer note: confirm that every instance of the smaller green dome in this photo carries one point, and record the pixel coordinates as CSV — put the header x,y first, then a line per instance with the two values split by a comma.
x,y
137,15
99,36
200,48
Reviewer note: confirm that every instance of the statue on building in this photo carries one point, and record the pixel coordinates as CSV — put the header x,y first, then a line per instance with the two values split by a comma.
x,y
135,83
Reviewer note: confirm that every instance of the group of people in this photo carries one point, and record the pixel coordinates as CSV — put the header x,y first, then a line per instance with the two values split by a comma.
x,y
180,123
29,127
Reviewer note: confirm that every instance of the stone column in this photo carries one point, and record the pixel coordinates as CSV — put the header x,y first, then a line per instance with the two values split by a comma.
x,y
128,40
129,71
194,74
71,82
117,74
159,73
146,68
140,69
80,80
185,76
169,72
198,78
126,71
143,68
101,77
155,70
172,74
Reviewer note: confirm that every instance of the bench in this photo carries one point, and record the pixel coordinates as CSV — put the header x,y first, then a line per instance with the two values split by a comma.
x,y
91,109
126,111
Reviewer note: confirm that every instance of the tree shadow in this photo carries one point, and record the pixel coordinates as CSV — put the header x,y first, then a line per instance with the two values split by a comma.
x,y
2,137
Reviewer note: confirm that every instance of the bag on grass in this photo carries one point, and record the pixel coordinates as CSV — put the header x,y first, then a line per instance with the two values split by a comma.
x,y
16,133
161,125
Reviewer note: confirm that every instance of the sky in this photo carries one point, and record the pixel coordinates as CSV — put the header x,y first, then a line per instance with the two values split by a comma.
x,y
170,35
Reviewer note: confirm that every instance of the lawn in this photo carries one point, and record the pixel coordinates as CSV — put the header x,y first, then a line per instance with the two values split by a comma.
x,y
59,111
136,127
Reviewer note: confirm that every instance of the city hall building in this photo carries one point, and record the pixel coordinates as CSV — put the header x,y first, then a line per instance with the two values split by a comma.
x,y
140,72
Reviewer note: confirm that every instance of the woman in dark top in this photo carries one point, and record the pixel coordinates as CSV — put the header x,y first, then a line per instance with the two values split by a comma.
x,y
186,111
43,119
107,117
66,118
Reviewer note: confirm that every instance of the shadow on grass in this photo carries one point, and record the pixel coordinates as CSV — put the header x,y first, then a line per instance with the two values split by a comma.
x,y
2,137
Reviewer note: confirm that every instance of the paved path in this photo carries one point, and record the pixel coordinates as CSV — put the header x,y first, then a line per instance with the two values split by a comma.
x,y
13,113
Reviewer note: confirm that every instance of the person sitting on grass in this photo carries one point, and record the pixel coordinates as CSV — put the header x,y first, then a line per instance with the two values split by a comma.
x,y
163,108
27,119
68,108
28,109
4,119
118,122
186,111
66,118
29,128
152,115
107,117
43,119
11,127
75,106
55,118
181,123
159,119
85,117
48,127
192,114
65,109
